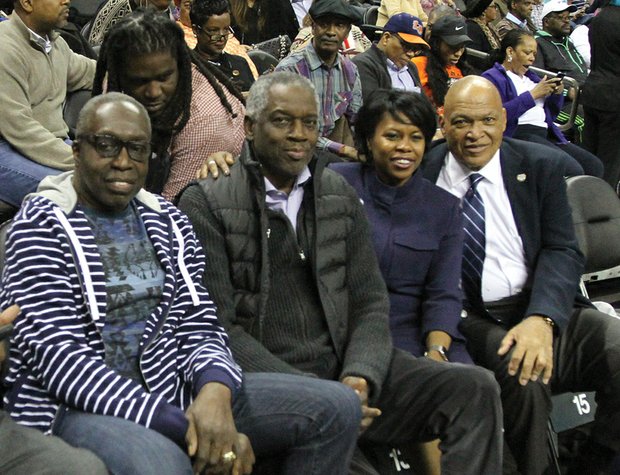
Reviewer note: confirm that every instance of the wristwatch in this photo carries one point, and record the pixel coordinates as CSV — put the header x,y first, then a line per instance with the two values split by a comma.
x,y
439,349
548,321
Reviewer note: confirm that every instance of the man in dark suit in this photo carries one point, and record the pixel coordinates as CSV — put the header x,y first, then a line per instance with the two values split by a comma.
x,y
523,320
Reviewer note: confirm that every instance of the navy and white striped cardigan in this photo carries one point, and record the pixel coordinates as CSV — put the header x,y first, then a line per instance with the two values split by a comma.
x,y
54,273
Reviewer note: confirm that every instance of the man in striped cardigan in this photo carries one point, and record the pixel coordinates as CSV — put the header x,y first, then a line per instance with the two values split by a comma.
x,y
118,348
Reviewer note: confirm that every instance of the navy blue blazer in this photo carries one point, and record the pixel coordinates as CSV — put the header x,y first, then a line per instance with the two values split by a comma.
x,y
533,176
417,235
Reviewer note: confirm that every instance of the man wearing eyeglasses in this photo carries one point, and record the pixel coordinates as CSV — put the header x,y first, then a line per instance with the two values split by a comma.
x,y
387,64
118,348
556,51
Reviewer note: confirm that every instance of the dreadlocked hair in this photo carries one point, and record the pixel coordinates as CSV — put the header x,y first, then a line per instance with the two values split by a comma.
x,y
144,32
438,79
217,79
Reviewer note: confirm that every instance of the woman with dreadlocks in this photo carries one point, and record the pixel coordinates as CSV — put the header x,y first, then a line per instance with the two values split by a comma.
x,y
195,110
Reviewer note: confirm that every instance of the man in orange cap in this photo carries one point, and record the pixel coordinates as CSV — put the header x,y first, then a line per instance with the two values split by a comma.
x,y
387,64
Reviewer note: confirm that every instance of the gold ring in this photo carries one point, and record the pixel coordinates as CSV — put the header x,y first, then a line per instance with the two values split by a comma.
x,y
229,457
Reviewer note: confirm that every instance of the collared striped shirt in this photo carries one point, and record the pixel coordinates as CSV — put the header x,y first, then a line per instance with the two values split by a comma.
x,y
338,87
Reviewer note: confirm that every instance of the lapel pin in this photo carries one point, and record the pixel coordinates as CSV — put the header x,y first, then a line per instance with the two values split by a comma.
x,y
521,177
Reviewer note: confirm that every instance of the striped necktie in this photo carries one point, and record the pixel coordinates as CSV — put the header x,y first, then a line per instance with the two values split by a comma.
x,y
474,241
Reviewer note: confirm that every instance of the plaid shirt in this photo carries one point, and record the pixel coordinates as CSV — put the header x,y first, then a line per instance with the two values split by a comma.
x,y
210,129
339,89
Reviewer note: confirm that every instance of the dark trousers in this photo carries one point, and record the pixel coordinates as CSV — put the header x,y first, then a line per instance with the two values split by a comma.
x,y
586,358
601,137
578,161
422,400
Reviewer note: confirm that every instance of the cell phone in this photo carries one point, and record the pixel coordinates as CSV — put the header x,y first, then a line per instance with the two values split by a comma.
x,y
560,76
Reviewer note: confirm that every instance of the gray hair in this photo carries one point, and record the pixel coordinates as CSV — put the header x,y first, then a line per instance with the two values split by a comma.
x,y
258,96
89,109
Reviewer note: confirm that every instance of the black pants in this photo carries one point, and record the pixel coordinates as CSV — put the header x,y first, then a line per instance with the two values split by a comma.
x,y
602,138
586,358
578,160
422,400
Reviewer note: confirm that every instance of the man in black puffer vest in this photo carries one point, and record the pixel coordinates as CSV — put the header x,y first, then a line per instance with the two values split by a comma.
x,y
292,270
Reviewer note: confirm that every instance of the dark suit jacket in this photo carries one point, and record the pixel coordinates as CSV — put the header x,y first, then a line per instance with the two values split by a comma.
x,y
372,67
537,192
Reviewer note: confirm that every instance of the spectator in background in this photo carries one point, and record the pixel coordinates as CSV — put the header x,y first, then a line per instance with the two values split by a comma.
x,y
211,25
232,45
37,70
601,101
556,51
334,76
356,41
435,14
480,14
532,103
444,64
517,18
387,64
389,8
111,11
580,40
255,21
195,110
537,14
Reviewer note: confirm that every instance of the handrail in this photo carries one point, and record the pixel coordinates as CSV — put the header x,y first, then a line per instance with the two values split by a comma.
x,y
571,82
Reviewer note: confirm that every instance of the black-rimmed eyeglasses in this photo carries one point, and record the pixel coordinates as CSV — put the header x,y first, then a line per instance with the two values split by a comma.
x,y
409,47
108,146
215,36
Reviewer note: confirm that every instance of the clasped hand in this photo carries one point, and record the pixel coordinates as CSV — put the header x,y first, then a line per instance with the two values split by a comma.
x,y
212,433
360,386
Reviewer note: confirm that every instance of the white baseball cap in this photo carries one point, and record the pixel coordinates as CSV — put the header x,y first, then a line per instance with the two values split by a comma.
x,y
556,6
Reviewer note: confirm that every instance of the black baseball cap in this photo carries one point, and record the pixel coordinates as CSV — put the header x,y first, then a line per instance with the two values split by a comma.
x,y
452,29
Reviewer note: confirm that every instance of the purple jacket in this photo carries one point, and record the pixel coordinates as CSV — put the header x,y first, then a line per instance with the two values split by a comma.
x,y
516,105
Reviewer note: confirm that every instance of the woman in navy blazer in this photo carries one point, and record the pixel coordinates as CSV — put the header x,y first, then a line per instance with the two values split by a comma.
x,y
417,227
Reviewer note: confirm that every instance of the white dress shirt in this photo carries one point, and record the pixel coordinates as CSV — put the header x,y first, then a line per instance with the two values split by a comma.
x,y
505,271
535,115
